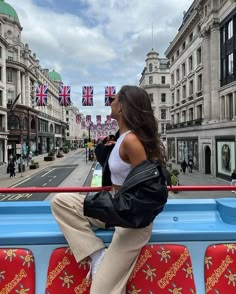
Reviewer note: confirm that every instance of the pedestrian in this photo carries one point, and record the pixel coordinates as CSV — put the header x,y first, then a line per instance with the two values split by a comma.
x,y
11,167
190,165
138,145
233,180
184,166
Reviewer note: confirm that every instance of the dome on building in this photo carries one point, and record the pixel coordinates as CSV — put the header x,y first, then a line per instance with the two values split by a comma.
x,y
8,10
54,76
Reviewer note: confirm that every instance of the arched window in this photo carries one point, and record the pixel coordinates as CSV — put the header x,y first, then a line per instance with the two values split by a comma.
x,y
13,123
25,123
150,67
51,129
33,125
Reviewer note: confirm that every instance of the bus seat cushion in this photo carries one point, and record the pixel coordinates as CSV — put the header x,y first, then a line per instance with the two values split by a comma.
x,y
220,269
17,271
165,268
65,275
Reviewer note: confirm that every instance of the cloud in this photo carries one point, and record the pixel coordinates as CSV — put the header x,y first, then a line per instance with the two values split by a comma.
x,y
98,43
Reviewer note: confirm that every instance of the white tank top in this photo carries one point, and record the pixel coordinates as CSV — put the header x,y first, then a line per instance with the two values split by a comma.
x,y
118,167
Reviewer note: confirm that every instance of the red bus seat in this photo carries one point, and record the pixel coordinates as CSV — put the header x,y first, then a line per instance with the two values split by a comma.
x,y
162,269
17,271
220,269
65,275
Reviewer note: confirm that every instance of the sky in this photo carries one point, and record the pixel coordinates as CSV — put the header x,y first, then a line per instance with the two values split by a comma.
x,y
98,42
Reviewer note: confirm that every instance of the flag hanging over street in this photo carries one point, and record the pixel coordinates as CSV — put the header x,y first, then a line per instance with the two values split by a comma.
x,y
109,92
99,120
87,96
78,119
108,121
41,94
83,124
64,96
88,119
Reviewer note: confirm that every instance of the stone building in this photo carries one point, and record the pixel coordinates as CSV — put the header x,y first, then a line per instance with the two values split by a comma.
x,y
155,79
203,88
24,126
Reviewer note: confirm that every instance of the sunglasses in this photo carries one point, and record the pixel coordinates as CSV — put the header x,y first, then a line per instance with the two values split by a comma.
x,y
111,99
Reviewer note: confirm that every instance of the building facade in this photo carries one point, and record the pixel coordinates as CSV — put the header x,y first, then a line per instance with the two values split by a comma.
x,y
24,126
203,84
155,79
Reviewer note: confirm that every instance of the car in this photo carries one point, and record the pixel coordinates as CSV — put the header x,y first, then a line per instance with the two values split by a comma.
x,y
97,176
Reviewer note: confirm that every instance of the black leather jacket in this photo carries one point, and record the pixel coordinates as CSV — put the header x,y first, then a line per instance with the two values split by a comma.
x,y
140,199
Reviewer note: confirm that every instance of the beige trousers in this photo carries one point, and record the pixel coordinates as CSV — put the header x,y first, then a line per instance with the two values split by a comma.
x,y
121,255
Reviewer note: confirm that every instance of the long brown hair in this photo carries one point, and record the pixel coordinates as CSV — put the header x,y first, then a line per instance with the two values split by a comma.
x,y
139,117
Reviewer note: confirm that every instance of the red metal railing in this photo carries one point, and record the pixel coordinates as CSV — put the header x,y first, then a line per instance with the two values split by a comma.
x,y
96,189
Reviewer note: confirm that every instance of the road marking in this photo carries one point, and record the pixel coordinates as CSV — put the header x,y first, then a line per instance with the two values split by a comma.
x,y
17,184
44,184
48,172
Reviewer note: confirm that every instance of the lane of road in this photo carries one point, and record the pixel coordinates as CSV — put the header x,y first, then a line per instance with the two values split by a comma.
x,y
52,176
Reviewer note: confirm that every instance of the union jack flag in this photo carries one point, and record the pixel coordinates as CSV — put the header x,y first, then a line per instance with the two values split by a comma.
x,y
64,96
41,94
88,118
98,119
108,121
109,91
87,96
78,119
83,125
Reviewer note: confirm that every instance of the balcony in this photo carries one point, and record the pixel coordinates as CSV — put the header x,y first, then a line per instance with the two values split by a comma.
x,y
190,123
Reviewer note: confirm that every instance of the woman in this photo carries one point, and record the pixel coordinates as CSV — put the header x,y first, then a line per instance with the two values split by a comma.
x,y
138,141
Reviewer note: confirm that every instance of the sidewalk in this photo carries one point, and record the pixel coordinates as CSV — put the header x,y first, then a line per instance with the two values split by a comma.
x,y
6,181
200,179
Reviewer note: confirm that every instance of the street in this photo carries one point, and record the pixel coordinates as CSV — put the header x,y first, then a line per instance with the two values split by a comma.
x,y
72,170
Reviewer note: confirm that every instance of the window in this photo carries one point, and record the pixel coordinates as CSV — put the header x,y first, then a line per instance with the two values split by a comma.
x,y
177,53
184,91
0,73
9,76
190,114
67,134
178,95
173,98
10,55
177,118
199,83
163,113
231,63
172,119
177,75
172,79
163,97
199,111
199,55
67,119
163,129
10,97
150,67
67,112
190,63
230,29
190,37
1,102
183,45
150,80
163,79
13,123
183,116
223,35
190,87
151,97
183,70
172,59
0,52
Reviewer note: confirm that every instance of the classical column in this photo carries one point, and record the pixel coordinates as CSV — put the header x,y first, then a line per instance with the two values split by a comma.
x,y
23,89
234,104
206,74
18,83
27,91
215,73
226,107
221,108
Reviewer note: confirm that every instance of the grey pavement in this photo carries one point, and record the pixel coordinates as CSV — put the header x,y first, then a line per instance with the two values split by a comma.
x,y
77,177
197,178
